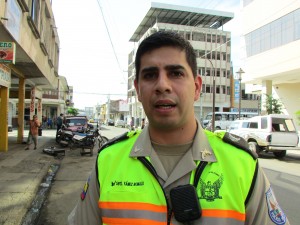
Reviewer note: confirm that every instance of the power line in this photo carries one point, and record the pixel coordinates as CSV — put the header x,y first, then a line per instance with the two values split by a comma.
x,y
109,36
95,93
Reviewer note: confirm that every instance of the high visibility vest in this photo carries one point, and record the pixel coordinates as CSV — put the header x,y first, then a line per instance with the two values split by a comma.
x,y
131,194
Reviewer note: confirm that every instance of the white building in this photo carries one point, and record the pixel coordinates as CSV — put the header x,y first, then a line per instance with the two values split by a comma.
x,y
203,28
272,39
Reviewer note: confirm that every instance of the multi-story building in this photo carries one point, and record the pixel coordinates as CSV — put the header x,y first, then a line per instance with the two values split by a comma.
x,y
272,42
29,40
55,101
204,29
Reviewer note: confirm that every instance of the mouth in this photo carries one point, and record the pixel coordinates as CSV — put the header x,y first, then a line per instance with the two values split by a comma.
x,y
165,105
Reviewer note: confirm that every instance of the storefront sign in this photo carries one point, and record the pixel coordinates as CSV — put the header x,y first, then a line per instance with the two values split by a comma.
x,y
236,90
32,102
5,76
7,52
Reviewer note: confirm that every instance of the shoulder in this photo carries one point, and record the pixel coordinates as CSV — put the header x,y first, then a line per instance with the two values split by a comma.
x,y
120,138
236,141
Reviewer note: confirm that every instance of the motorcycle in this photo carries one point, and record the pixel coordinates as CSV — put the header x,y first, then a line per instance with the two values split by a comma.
x,y
88,141
65,138
64,135
59,132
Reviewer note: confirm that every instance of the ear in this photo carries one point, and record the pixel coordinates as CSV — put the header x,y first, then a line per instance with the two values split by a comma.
x,y
198,87
136,86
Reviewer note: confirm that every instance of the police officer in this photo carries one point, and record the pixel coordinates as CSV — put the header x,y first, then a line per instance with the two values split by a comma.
x,y
173,171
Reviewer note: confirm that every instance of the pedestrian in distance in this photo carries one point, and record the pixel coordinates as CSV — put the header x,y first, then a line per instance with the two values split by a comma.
x,y
173,171
34,125
59,122
143,123
49,123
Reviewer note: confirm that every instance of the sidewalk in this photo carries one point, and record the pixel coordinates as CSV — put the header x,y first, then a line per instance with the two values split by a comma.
x,y
21,175
25,196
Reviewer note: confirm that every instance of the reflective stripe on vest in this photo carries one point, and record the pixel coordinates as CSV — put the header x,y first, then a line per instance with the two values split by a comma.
x,y
132,213
130,194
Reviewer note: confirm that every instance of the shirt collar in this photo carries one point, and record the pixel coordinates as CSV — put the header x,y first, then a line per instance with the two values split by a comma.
x,y
201,149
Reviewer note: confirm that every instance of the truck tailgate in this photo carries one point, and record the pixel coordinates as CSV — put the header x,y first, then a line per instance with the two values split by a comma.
x,y
284,139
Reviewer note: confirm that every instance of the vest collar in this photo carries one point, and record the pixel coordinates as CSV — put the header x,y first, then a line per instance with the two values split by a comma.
x,y
201,149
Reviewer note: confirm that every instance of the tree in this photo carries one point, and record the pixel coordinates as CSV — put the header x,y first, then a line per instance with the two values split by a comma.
x,y
273,105
298,116
73,111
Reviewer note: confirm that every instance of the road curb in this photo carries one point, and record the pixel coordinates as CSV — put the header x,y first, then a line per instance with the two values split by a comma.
x,y
33,212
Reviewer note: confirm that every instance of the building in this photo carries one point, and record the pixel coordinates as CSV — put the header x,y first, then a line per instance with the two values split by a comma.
x,y
204,29
272,43
29,80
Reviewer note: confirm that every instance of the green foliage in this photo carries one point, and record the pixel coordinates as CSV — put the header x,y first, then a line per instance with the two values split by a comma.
x,y
273,105
73,111
298,116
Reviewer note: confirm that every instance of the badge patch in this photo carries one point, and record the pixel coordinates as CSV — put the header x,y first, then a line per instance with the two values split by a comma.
x,y
275,212
211,189
85,189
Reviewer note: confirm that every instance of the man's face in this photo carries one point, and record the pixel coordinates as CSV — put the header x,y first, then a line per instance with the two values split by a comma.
x,y
167,88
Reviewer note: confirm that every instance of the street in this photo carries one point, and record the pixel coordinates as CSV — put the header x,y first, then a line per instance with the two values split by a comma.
x,y
285,180
69,181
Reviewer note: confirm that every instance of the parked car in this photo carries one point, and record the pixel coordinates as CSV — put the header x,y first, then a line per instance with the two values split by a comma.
x,y
120,123
274,133
95,123
110,122
76,123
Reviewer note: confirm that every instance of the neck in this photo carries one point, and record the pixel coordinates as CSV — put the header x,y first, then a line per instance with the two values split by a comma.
x,y
180,135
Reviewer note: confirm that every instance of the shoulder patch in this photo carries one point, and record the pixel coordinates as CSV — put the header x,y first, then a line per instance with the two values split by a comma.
x,y
117,139
85,189
275,212
238,142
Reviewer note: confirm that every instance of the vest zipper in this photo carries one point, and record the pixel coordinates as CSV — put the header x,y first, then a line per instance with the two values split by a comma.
x,y
153,171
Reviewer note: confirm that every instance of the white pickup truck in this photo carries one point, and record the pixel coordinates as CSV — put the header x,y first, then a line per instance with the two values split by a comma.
x,y
271,133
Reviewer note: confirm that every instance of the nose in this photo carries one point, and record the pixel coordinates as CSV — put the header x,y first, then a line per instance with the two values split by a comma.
x,y
163,83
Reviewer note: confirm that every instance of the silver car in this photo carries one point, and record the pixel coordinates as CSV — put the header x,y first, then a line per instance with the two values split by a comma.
x,y
120,123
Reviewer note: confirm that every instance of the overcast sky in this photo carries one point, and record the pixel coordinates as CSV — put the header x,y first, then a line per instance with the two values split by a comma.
x,y
93,60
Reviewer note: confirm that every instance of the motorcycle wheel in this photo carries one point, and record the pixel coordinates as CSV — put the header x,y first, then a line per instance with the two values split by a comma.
x,y
102,140
82,151
57,139
71,145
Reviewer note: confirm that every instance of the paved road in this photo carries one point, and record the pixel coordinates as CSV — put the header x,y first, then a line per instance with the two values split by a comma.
x,y
69,181
285,179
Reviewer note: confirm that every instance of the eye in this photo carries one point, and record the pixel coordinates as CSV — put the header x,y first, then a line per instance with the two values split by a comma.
x,y
149,76
176,73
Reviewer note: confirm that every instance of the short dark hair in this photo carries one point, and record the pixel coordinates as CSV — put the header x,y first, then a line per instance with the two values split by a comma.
x,y
61,114
166,39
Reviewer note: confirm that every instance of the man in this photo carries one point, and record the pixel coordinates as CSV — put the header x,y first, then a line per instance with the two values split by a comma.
x,y
173,171
59,122
143,123
34,125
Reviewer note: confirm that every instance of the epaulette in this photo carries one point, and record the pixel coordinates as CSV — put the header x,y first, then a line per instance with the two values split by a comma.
x,y
236,141
117,139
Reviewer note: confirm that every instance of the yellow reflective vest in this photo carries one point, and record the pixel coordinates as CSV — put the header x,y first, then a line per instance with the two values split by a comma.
x,y
131,194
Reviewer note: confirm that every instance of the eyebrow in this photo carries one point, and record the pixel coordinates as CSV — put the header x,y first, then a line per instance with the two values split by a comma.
x,y
168,67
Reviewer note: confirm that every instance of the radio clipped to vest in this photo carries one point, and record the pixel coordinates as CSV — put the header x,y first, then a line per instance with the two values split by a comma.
x,y
185,203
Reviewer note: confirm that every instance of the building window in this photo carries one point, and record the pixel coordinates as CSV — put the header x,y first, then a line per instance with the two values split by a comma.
x,y
277,33
34,11
207,89
228,90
